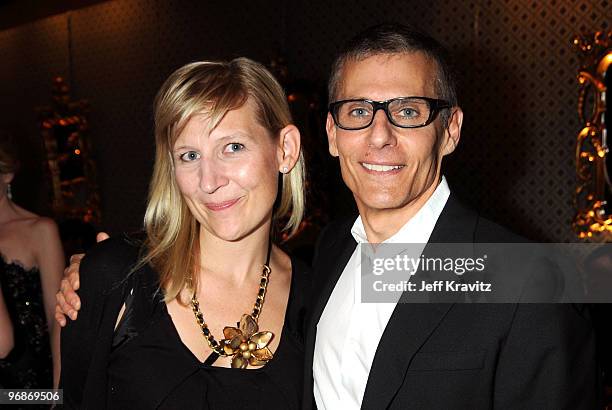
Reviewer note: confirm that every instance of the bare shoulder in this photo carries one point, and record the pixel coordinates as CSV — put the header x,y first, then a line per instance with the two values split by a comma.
x,y
26,222
23,215
44,227
45,238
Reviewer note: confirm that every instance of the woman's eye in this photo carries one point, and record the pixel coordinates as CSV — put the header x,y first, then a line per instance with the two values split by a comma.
x,y
234,147
189,156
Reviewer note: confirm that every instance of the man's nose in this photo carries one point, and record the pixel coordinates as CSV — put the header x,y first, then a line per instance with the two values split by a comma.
x,y
382,132
212,176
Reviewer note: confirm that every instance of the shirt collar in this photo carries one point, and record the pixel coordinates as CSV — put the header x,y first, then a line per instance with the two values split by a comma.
x,y
417,229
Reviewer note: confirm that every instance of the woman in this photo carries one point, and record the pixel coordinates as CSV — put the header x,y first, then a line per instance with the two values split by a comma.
x,y
31,263
7,340
207,312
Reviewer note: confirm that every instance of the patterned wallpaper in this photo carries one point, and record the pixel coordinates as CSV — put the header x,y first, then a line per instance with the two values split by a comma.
x,y
514,58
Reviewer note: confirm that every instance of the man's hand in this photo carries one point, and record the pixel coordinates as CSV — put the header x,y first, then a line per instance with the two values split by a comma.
x,y
68,302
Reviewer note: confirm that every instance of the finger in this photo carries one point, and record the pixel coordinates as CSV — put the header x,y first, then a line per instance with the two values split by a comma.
x,y
76,258
73,277
64,306
69,294
72,298
59,316
72,271
102,236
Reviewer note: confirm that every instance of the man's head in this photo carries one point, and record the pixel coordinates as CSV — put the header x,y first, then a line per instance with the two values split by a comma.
x,y
396,39
392,166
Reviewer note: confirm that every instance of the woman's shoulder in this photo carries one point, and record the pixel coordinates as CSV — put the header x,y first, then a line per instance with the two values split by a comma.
x,y
29,223
300,268
299,298
116,247
108,262
34,229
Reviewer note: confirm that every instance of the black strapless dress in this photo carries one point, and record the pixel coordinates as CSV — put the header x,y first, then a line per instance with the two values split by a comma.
x,y
29,365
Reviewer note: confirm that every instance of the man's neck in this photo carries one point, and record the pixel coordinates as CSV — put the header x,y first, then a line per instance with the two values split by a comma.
x,y
381,224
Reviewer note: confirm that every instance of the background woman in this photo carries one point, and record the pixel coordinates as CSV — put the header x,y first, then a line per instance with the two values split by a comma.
x,y
31,264
211,315
7,340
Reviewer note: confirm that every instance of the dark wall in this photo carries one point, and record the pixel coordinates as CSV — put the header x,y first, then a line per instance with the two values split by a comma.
x,y
517,86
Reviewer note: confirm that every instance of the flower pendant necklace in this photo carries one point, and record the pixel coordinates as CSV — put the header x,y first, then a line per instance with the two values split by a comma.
x,y
245,342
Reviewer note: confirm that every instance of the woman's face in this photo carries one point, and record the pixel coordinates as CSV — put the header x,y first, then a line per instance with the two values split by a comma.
x,y
228,176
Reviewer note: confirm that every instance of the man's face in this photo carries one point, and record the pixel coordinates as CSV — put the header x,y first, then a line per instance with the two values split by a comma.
x,y
387,167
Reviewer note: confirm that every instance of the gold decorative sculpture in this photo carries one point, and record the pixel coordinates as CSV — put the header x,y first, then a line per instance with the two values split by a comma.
x,y
593,196
70,168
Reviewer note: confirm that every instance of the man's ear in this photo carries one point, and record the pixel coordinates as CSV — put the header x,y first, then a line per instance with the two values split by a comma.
x,y
288,148
330,127
452,133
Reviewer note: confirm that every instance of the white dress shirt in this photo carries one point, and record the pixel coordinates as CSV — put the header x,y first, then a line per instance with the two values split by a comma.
x,y
349,331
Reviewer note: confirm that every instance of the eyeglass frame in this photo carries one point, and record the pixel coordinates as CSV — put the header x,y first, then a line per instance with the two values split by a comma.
x,y
435,106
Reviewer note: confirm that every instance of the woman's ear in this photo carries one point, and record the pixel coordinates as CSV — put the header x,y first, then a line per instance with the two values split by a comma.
x,y
8,177
288,148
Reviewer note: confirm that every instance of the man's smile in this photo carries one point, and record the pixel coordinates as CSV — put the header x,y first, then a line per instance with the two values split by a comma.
x,y
378,169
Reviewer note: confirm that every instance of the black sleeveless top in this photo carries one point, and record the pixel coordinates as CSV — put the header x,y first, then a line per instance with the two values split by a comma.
x,y
29,365
148,366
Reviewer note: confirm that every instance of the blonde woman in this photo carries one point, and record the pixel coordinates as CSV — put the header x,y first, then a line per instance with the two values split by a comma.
x,y
206,312
31,264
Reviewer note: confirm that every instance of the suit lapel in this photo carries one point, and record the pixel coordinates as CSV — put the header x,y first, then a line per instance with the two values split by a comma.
x,y
408,329
456,224
411,324
336,265
326,271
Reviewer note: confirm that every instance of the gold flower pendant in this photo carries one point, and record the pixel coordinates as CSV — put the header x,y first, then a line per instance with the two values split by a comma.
x,y
247,344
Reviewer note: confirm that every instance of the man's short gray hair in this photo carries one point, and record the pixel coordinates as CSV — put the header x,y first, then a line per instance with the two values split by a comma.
x,y
396,39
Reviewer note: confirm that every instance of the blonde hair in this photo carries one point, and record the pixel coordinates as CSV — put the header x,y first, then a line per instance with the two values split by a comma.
x,y
214,88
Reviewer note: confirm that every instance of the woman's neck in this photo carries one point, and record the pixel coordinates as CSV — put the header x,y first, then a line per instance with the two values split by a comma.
x,y
238,261
8,210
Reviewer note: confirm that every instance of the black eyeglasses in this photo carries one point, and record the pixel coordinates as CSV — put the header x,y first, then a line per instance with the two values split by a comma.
x,y
403,112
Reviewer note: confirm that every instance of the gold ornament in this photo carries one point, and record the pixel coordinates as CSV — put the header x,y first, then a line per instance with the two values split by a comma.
x,y
246,343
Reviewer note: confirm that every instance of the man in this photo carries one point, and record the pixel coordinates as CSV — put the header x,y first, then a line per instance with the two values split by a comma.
x,y
421,356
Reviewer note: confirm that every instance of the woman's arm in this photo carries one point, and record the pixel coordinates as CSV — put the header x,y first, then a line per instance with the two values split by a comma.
x,y
50,261
6,329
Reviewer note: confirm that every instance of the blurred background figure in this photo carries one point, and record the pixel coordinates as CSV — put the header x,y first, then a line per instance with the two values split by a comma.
x,y
6,330
31,264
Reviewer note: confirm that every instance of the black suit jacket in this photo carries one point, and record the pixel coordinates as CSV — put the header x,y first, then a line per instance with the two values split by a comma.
x,y
465,356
